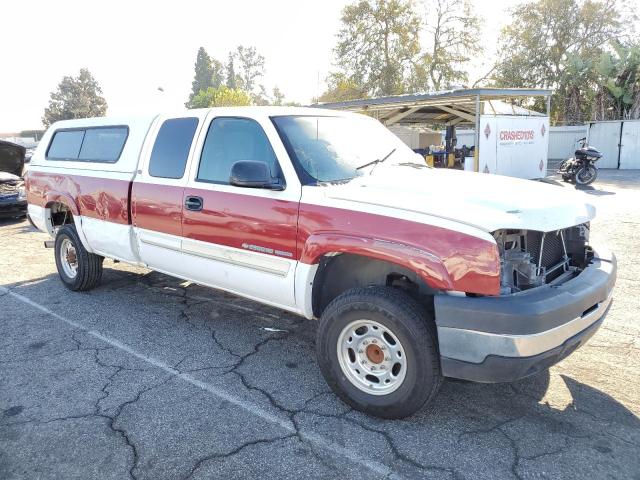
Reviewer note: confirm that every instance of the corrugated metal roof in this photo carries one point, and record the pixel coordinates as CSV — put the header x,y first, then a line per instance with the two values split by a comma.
x,y
457,106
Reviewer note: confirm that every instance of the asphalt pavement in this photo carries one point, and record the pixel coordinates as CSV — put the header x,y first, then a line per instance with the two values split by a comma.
x,y
149,377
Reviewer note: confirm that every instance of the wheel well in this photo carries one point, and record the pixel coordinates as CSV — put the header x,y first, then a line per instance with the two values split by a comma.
x,y
58,214
338,273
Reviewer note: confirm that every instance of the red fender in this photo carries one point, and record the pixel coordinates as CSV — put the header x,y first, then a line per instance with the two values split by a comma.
x,y
63,198
475,270
424,263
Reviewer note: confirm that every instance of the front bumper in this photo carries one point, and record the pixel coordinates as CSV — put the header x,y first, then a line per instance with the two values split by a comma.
x,y
502,339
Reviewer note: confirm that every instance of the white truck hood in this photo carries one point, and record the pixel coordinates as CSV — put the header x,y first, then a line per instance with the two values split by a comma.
x,y
488,202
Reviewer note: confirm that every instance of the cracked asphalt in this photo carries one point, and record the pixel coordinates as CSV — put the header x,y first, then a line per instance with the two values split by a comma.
x,y
149,377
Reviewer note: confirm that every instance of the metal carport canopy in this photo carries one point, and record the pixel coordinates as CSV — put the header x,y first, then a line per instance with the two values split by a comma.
x,y
450,107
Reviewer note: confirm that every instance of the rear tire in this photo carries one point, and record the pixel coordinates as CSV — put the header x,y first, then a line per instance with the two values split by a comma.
x,y
377,350
79,270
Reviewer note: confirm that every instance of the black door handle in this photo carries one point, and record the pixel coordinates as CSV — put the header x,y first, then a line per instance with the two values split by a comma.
x,y
193,203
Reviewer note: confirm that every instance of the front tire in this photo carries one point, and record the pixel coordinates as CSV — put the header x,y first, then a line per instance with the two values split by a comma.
x,y
377,350
586,175
79,270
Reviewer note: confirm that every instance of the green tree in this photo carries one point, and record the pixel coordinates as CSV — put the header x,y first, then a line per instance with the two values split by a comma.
x,y
217,73
342,88
618,94
209,72
452,40
76,97
377,44
539,47
578,81
278,97
222,96
203,72
250,68
232,78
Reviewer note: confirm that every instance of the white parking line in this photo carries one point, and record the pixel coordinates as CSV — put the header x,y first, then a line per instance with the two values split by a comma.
x,y
286,424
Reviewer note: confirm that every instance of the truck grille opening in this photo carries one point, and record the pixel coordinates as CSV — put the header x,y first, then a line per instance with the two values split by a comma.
x,y
531,258
552,251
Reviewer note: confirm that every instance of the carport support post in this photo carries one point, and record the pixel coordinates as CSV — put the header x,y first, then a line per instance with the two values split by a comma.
x,y
549,108
476,151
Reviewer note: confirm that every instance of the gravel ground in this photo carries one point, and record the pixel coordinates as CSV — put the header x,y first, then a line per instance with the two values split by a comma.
x,y
149,377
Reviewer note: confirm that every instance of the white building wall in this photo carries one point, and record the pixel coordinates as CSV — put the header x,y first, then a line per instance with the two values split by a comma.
x,y
562,140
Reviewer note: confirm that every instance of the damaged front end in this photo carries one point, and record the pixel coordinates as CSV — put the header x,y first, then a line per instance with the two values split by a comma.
x,y
13,200
530,259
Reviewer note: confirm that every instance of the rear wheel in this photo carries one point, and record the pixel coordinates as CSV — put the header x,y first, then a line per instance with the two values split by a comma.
x,y
79,270
586,175
377,350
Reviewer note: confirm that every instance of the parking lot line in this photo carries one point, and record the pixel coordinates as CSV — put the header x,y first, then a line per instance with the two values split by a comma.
x,y
288,425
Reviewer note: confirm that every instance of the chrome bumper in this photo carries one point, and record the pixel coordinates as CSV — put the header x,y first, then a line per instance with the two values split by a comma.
x,y
524,332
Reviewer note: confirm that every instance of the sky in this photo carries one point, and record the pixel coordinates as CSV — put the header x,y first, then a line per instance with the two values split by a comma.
x,y
133,47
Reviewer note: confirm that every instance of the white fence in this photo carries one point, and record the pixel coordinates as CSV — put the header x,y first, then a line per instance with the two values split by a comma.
x,y
619,142
563,141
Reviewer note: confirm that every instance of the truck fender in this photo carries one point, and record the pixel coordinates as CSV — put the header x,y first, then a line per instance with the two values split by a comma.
x,y
424,263
66,200
63,198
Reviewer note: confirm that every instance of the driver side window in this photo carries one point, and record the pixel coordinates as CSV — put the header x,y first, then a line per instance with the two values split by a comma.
x,y
232,139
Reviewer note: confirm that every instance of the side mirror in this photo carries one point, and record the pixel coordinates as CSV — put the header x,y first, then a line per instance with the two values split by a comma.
x,y
253,174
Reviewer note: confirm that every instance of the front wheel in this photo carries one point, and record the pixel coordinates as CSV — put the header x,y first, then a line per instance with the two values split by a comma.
x,y
79,270
586,175
377,350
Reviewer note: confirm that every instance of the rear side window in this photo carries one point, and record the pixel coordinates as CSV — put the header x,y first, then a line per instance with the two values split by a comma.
x,y
65,145
100,144
171,149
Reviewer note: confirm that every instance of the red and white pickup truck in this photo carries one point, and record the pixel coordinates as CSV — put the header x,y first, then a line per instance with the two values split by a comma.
x,y
413,273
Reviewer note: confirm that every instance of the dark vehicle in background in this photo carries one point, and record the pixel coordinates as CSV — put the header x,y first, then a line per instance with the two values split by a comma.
x,y
13,200
581,169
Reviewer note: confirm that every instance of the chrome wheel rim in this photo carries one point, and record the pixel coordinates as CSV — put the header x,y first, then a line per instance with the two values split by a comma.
x,y
371,357
68,258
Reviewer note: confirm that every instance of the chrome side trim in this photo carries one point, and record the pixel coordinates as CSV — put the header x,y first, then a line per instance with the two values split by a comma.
x,y
161,244
219,253
159,239
237,263
234,256
474,346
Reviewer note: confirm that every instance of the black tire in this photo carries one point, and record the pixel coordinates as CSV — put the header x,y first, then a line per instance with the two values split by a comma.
x,y
413,327
89,265
586,175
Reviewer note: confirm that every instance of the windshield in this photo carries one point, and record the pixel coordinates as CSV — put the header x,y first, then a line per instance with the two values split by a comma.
x,y
330,149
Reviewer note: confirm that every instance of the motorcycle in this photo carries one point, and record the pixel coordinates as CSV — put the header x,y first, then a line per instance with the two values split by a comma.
x,y
581,169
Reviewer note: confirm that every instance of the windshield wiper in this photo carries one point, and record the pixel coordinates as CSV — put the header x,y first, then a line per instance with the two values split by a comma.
x,y
375,162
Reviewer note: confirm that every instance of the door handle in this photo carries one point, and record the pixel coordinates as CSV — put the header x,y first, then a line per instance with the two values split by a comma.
x,y
193,203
